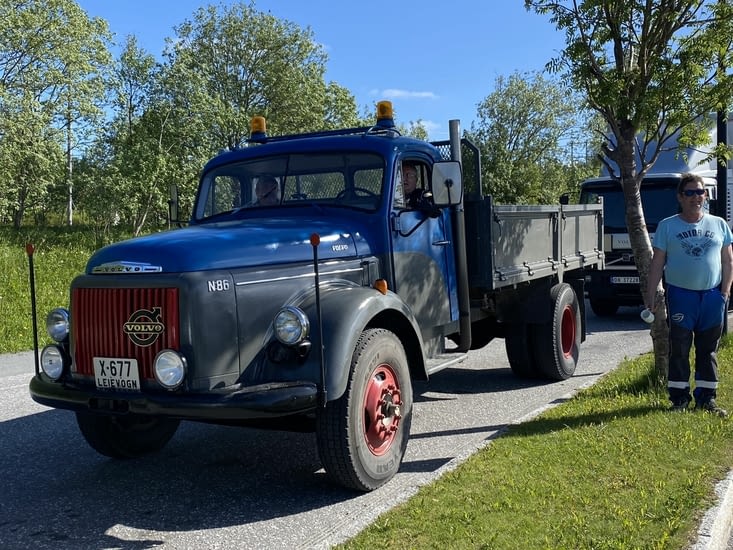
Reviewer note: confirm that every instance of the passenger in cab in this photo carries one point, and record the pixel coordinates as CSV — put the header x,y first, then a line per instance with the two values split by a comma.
x,y
267,191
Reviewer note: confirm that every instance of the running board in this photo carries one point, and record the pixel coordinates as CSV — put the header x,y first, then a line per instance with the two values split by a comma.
x,y
443,361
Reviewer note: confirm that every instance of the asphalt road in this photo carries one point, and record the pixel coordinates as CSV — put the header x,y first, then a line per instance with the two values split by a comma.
x,y
220,487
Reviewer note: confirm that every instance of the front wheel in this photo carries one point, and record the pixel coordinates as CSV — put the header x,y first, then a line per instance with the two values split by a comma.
x,y
128,436
363,434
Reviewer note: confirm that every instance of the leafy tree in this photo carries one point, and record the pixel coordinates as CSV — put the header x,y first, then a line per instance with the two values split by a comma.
x,y
416,130
124,169
51,58
221,68
650,69
522,130
227,65
230,64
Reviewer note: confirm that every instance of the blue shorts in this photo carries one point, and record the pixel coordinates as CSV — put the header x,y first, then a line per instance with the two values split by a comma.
x,y
695,310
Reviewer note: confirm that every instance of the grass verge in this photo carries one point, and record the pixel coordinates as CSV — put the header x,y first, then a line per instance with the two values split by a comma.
x,y
60,255
611,468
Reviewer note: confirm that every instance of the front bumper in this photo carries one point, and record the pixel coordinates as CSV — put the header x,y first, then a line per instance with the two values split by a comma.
x,y
250,403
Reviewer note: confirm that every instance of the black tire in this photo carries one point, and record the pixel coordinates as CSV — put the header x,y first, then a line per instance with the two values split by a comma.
x,y
128,436
556,345
603,308
516,342
358,449
483,332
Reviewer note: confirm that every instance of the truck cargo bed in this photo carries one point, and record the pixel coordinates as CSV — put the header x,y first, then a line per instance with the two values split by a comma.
x,y
508,245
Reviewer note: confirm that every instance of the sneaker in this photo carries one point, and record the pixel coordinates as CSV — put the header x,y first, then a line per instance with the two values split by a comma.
x,y
712,407
680,406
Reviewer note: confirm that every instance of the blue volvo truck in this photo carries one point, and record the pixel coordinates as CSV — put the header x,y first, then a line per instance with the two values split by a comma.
x,y
307,291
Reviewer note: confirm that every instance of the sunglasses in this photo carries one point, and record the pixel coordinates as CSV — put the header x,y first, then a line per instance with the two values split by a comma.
x,y
693,192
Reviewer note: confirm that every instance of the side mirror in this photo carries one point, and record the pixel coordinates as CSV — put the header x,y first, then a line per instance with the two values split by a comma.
x,y
173,205
447,183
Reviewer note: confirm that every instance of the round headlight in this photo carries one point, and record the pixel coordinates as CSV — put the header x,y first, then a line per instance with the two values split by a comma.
x,y
52,362
291,325
170,369
57,324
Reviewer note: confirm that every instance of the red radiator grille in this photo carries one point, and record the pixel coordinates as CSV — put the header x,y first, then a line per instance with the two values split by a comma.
x,y
116,322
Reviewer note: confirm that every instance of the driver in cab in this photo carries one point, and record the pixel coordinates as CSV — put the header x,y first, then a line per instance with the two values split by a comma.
x,y
416,197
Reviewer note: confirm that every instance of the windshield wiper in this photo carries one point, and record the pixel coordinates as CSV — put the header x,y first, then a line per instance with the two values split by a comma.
x,y
220,214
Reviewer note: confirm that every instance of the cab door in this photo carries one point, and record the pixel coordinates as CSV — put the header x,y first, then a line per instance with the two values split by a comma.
x,y
423,261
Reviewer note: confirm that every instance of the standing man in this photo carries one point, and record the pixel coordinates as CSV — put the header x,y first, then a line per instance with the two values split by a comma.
x,y
693,250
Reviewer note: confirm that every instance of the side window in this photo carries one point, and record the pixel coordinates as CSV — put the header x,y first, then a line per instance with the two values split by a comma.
x,y
411,185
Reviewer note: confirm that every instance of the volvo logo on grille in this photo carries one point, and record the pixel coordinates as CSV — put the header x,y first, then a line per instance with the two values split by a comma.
x,y
144,326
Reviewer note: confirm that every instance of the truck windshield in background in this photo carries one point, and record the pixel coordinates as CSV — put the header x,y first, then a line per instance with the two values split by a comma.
x,y
346,179
658,203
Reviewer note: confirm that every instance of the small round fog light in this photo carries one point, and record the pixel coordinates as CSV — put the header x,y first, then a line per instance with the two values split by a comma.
x,y
52,362
291,325
170,369
57,324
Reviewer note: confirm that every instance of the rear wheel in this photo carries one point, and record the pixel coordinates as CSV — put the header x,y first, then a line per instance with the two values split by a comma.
x,y
128,436
363,434
556,345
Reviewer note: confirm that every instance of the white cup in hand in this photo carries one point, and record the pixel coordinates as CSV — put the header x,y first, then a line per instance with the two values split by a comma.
x,y
647,316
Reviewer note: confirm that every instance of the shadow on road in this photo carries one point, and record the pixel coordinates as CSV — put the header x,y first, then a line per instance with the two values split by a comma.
x,y
628,316
58,493
67,496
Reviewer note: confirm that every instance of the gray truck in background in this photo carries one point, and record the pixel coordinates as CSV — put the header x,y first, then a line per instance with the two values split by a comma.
x,y
617,284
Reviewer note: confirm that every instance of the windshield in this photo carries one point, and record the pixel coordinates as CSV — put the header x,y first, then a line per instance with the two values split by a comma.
x,y
658,203
352,180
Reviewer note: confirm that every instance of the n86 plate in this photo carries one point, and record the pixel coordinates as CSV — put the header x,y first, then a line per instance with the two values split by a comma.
x,y
113,373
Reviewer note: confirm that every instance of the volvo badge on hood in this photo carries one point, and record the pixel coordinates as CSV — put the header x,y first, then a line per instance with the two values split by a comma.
x,y
126,267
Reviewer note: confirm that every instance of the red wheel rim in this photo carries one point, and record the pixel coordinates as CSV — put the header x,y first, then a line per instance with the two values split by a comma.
x,y
382,414
567,328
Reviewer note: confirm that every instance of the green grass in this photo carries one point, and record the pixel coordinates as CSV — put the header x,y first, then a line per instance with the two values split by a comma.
x,y
611,468
60,255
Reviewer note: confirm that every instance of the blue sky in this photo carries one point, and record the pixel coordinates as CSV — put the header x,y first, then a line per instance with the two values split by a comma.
x,y
434,60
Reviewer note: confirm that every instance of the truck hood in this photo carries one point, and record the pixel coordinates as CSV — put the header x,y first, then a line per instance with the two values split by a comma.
x,y
231,244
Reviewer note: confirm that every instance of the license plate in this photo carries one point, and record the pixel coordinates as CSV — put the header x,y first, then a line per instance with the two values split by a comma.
x,y
113,373
625,280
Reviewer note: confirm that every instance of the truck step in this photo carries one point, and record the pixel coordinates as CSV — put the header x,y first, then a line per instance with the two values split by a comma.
x,y
443,361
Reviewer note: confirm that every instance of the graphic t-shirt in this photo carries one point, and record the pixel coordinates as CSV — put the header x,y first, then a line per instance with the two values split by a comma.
x,y
693,250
